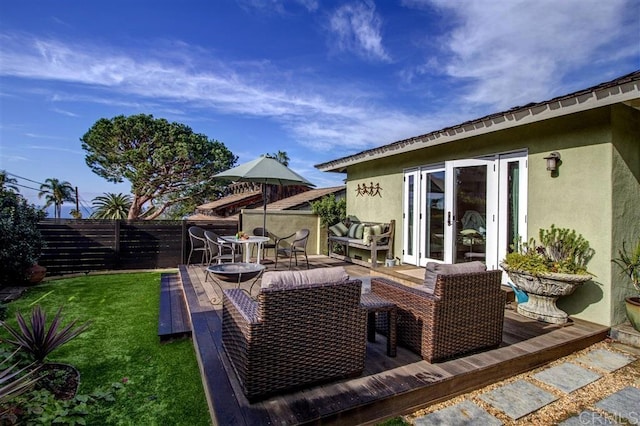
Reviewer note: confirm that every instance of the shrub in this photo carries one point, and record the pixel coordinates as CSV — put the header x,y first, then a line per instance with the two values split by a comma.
x,y
330,210
20,240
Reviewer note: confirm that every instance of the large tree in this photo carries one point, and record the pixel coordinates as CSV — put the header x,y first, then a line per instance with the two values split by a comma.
x,y
56,193
166,163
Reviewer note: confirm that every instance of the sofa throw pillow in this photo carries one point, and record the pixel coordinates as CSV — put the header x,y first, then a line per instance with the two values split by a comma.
x,y
352,230
366,234
339,229
368,231
434,269
359,231
286,279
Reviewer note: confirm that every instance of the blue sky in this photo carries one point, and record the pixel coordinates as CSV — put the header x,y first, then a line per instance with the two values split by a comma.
x,y
317,79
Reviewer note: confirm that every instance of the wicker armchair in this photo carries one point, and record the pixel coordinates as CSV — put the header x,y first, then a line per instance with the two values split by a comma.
x,y
464,313
292,337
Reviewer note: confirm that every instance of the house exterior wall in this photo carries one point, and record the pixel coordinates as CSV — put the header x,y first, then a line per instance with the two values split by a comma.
x,y
625,199
598,175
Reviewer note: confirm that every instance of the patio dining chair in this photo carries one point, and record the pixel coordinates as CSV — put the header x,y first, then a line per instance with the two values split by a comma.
x,y
297,245
271,244
198,243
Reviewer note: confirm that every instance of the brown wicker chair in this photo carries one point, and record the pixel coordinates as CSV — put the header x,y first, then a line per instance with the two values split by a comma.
x,y
294,336
465,313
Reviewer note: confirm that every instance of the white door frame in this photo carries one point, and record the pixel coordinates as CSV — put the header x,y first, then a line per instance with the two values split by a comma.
x,y
497,220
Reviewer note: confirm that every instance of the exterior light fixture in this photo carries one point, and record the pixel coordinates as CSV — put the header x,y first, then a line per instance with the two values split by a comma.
x,y
552,161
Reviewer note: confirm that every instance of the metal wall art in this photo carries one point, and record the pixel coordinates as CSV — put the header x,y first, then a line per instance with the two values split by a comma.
x,y
371,190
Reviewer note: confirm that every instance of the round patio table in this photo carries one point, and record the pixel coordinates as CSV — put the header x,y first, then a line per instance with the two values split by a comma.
x,y
235,273
247,241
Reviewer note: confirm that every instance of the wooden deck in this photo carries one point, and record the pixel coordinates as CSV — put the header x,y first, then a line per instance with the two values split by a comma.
x,y
389,386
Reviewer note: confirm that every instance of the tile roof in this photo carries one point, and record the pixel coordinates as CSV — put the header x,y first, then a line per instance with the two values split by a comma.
x,y
228,200
622,89
303,198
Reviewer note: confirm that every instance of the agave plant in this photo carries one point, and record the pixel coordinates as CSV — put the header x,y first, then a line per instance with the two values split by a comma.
x,y
14,380
36,339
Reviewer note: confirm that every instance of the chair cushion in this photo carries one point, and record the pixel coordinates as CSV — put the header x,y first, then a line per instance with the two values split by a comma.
x,y
359,231
339,229
286,279
433,269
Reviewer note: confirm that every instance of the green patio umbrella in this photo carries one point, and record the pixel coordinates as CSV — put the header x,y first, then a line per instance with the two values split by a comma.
x,y
267,171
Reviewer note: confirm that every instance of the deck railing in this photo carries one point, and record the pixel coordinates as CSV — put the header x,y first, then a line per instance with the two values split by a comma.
x,y
86,245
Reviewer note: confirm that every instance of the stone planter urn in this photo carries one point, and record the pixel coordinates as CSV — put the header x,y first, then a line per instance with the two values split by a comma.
x,y
543,292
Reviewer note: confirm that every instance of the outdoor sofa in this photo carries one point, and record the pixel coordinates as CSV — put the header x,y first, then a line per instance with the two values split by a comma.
x,y
373,237
305,327
458,309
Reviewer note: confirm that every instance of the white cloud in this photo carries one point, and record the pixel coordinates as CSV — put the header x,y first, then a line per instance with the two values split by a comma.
x,y
245,89
356,27
518,51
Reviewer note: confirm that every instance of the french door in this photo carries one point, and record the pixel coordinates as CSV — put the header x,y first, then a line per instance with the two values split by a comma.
x,y
464,210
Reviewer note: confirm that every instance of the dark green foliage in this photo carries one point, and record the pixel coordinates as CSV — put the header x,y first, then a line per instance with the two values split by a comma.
x,y
330,210
560,250
20,240
35,338
166,163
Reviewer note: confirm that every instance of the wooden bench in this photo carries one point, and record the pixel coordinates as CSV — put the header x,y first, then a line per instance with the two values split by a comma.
x,y
381,242
173,321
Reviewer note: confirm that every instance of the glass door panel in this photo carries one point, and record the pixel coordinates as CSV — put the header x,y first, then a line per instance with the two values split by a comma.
x,y
432,216
411,215
470,211
471,201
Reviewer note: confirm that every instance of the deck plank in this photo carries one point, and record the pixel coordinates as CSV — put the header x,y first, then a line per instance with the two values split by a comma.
x,y
173,321
389,386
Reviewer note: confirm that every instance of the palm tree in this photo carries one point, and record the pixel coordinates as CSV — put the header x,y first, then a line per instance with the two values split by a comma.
x,y
111,206
56,193
281,157
7,183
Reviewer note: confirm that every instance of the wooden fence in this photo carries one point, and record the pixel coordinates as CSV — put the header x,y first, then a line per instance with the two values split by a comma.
x,y
95,245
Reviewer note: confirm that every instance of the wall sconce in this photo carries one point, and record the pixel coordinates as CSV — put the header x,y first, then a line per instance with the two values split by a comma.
x,y
552,161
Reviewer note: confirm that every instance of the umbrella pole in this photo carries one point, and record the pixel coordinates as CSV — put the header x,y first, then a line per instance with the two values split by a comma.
x,y
264,209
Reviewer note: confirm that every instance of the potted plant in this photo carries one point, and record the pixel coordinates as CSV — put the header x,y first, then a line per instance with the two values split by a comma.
x,y
629,264
547,270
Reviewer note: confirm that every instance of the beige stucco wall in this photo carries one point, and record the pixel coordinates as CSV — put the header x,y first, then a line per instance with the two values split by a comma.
x,y
286,222
598,174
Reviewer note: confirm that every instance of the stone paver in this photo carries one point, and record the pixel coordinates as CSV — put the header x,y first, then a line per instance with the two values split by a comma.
x,y
567,377
624,404
587,418
462,414
518,398
605,360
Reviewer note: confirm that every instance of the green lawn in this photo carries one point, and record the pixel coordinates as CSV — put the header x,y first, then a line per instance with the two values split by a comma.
x,y
163,383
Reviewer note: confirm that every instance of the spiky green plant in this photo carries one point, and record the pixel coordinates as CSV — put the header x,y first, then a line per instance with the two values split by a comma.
x,y
14,380
36,339
629,264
